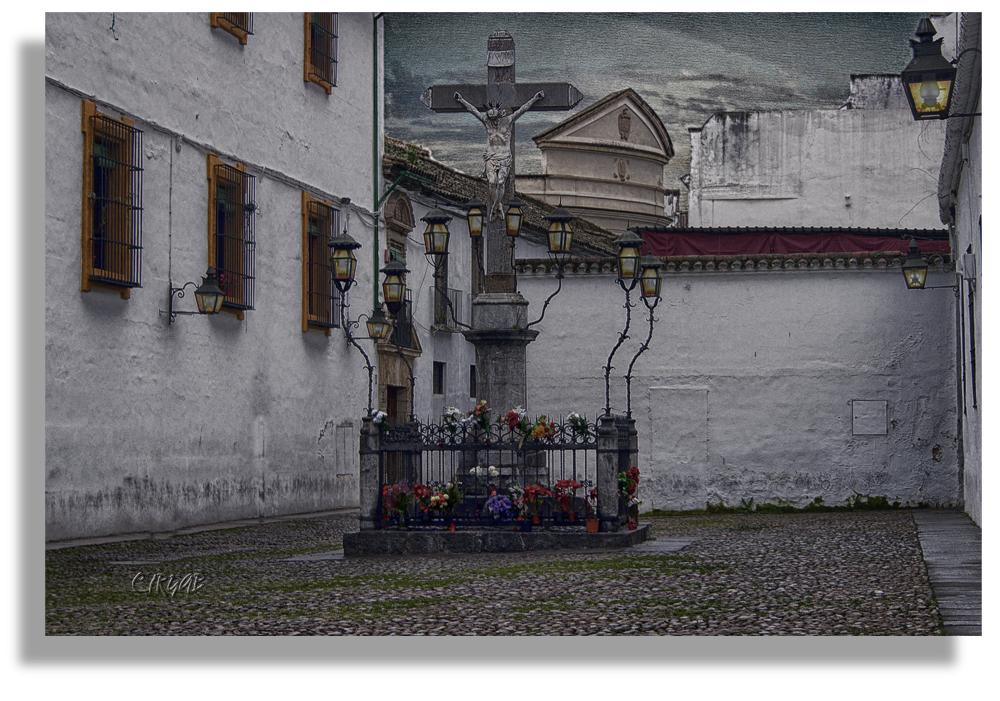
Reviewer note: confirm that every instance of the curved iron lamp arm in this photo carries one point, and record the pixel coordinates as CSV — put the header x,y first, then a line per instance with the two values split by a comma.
x,y
179,291
559,277
447,299
347,324
642,349
621,339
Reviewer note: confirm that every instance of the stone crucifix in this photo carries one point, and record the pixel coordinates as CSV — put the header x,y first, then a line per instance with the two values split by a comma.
x,y
497,104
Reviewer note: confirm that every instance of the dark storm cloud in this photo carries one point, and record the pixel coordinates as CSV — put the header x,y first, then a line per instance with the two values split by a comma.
x,y
687,66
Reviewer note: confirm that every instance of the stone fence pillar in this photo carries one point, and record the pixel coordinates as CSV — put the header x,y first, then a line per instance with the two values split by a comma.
x,y
368,481
607,473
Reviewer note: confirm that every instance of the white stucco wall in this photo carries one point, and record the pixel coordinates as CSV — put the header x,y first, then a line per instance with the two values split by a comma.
x,y
968,232
150,427
871,168
747,388
440,346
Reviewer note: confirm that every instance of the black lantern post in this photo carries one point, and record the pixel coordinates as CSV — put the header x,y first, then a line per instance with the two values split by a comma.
x,y
649,282
394,293
208,296
630,265
560,236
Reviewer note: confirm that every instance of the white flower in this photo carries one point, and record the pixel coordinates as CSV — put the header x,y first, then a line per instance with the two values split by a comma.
x,y
573,416
494,472
380,416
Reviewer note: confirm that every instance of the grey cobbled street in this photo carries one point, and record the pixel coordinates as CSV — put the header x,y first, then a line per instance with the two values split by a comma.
x,y
838,573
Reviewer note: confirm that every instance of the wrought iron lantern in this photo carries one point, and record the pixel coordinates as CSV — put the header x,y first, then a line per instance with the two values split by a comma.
x,y
208,296
928,79
344,262
629,247
649,279
436,235
394,285
379,328
474,207
914,268
515,213
560,231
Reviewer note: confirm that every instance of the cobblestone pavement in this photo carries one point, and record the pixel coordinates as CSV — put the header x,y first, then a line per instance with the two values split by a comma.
x,y
750,574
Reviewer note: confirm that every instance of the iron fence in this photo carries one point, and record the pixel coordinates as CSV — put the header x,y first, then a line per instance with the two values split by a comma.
x,y
421,460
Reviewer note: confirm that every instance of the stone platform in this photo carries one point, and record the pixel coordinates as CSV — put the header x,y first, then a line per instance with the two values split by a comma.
x,y
417,542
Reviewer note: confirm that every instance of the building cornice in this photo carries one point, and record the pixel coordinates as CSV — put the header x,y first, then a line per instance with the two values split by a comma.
x,y
846,262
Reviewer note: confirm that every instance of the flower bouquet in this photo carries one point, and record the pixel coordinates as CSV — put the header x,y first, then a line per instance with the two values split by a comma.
x,y
381,419
517,420
534,497
499,507
451,419
578,424
543,428
565,494
396,499
480,415
422,497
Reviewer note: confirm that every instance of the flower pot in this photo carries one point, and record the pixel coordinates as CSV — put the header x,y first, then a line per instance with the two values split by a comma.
x,y
571,517
633,523
536,519
593,525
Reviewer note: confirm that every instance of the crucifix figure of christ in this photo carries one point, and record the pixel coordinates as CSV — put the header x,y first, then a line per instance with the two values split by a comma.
x,y
508,100
499,155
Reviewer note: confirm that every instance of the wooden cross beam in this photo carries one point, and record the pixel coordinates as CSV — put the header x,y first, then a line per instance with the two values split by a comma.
x,y
500,90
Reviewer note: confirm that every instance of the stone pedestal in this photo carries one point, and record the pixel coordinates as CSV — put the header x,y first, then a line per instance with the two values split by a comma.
x,y
500,337
607,474
368,477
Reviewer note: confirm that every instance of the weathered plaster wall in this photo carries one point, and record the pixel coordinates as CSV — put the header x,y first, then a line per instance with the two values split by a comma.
x,y
439,345
150,427
852,168
968,233
747,388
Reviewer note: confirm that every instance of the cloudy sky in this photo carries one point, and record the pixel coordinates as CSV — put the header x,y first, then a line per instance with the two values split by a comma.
x,y
686,66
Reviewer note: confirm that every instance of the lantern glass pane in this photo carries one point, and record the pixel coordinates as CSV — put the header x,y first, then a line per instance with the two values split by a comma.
x,y
650,282
476,222
393,289
513,222
628,262
916,277
344,264
930,96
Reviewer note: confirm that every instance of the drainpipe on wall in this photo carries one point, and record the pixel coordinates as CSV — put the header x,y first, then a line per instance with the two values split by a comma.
x,y
376,166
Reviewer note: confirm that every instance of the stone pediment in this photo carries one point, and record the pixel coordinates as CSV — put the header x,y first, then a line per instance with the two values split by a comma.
x,y
621,122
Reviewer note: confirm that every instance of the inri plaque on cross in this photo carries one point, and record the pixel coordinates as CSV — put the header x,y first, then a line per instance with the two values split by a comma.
x,y
497,104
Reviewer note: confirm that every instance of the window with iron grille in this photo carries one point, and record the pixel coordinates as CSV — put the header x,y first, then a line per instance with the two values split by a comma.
x,y
239,24
111,234
320,65
320,297
231,214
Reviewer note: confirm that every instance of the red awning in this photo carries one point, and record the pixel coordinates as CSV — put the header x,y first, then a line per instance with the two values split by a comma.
x,y
756,243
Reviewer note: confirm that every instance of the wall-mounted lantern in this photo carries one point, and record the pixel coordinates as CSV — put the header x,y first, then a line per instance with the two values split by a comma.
x,y
914,268
208,296
394,285
344,263
436,235
929,78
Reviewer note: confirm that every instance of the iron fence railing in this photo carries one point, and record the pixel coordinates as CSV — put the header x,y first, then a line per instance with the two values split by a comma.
x,y
498,461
